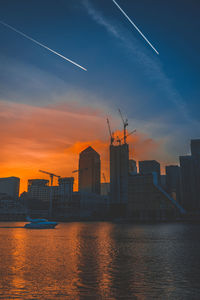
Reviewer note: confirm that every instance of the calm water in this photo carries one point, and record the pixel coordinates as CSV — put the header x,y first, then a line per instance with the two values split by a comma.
x,y
100,261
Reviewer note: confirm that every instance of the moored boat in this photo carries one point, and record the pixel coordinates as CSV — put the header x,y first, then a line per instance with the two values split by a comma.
x,y
40,224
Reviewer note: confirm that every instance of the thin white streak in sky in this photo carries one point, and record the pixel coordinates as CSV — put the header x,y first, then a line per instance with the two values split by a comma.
x,y
135,27
38,43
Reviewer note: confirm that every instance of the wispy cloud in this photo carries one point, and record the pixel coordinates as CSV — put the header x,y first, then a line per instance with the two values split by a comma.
x,y
151,66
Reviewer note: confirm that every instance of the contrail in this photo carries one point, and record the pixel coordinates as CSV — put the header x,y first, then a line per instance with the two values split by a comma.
x,y
144,37
38,43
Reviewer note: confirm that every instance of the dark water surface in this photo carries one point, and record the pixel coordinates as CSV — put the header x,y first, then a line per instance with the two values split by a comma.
x,y
100,261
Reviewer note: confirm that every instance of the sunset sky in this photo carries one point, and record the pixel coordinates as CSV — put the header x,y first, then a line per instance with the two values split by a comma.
x,y
50,110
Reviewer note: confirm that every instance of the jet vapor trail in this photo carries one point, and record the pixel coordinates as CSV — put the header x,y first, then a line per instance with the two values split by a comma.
x,y
135,27
38,43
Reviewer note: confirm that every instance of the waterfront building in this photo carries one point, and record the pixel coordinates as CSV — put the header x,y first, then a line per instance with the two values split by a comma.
x,y
89,171
195,147
190,179
62,196
173,181
10,186
149,166
147,201
53,199
119,168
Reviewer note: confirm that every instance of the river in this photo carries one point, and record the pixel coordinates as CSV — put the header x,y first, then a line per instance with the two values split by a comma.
x,y
100,260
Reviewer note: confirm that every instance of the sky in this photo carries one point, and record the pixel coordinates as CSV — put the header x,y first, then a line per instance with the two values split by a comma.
x,y
50,109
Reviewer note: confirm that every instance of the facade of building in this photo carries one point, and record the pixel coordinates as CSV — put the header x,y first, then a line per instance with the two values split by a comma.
x,y
173,181
147,201
149,166
119,169
195,147
52,200
39,190
62,196
89,171
190,179
10,186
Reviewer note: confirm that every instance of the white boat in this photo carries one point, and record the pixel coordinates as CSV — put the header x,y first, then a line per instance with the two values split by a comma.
x,y
39,224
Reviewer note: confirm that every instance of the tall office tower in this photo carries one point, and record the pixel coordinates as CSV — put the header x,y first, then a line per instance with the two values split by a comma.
x,y
190,178
188,189
119,168
195,147
173,181
10,186
89,171
149,166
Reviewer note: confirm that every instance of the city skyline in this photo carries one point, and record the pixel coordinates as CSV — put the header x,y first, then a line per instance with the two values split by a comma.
x,y
50,110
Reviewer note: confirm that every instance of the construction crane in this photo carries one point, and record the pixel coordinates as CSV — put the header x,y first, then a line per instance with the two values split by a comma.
x,y
79,170
125,124
51,175
111,133
119,140
51,190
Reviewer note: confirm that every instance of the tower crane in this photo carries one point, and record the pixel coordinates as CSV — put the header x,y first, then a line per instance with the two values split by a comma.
x,y
79,170
125,124
51,175
119,140
51,190
111,133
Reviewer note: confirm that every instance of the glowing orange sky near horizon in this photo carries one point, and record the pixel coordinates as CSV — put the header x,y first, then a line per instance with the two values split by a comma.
x,y
51,138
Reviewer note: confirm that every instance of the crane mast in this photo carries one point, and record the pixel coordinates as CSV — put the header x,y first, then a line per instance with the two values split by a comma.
x,y
125,124
111,133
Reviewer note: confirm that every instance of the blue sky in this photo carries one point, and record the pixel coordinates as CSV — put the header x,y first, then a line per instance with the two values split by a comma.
x,y
159,94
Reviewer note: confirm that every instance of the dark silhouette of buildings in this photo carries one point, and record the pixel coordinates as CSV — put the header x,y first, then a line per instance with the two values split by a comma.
x,y
10,186
119,168
173,181
190,179
150,166
147,201
89,171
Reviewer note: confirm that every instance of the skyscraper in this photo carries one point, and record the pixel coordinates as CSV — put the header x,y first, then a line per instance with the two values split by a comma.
x,y
187,176
89,171
195,147
119,168
173,181
10,186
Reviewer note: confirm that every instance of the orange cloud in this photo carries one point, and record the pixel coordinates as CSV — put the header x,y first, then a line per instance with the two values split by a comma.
x,y
51,138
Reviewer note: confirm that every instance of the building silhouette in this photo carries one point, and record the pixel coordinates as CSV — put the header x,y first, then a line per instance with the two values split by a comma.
x,y
195,147
150,166
173,181
119,169
147,200
10,186
190,178
89,171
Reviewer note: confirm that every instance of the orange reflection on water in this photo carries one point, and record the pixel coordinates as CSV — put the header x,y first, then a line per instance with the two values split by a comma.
x,y
104,242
